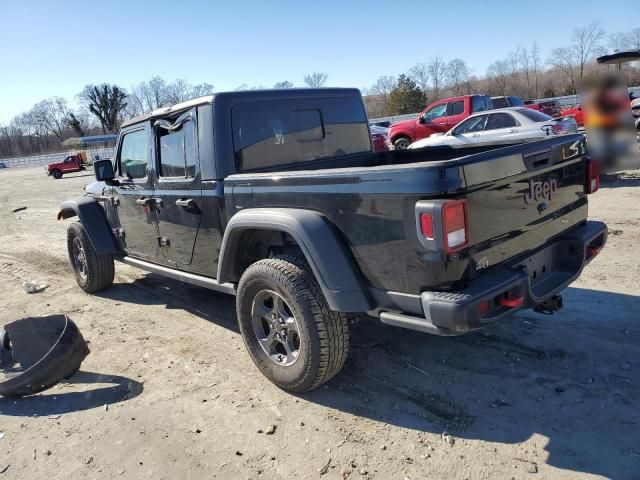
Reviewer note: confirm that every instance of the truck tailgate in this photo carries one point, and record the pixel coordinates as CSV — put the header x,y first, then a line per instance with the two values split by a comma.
x,y
518,200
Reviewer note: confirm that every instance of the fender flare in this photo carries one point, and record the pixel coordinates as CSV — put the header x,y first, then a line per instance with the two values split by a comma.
x,y
94,220
331,262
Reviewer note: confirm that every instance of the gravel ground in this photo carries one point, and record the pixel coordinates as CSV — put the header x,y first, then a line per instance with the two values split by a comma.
x,y
168,390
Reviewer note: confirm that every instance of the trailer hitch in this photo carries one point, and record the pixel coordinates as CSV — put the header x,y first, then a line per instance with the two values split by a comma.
x,y
549,306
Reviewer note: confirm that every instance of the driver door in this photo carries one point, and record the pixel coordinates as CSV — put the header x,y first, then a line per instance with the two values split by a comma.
x,y
432,121
135,203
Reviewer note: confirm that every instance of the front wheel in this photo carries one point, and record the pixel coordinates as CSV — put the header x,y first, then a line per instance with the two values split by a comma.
x,y
57,174
93,271
401,143
293,337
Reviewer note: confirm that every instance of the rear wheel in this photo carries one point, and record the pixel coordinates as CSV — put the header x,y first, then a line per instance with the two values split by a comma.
x,y
94,272
293,337
402,143
57,174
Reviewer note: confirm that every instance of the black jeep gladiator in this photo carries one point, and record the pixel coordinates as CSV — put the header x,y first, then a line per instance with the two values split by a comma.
x,y
277,197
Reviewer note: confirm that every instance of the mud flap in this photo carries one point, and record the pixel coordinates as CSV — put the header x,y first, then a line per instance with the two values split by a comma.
x,y
37,352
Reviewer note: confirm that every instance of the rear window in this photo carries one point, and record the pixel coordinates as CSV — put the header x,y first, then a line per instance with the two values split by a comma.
x,y
284,132
500,102
457,107
534,115
516,101
480,104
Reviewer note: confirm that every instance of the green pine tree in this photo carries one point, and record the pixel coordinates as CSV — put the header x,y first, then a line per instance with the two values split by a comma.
x,y
406,97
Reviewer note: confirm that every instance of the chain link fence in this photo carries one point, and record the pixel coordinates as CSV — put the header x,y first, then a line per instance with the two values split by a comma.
x,y
102,152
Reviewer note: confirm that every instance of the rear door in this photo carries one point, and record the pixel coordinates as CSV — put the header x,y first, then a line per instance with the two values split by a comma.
x,y
501,127
456,112
178,187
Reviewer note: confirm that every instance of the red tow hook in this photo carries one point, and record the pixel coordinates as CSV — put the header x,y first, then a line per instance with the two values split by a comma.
x,y
511,302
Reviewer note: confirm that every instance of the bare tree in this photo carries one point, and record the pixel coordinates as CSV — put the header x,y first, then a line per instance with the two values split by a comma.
x,y
524,60
564,60
585,42
76,125
51,114
535,64
619,42
284,84
419,73
436,69
106,102
316,79
498,72
377,96
634,39
457,74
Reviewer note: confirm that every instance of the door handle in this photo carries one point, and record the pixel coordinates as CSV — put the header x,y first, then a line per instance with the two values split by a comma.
x,y
144,201
513,130
186,202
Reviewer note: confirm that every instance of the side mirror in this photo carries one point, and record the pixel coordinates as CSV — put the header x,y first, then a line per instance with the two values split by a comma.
x,y
103,170
421,119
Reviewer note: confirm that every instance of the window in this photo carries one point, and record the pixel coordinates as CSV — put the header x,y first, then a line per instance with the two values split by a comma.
x,y
500,102
435,112
500,120
516,101
273,133
456,108
534,115
470,125
176,151
134,154
479,104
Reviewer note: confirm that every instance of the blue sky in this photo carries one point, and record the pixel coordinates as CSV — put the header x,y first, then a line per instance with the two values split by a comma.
x,y
56,48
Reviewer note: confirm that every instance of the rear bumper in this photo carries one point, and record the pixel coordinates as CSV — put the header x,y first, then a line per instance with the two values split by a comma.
x,y
523,283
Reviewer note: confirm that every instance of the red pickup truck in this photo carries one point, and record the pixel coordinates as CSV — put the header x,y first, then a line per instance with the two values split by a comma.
x,y
439,117
72,163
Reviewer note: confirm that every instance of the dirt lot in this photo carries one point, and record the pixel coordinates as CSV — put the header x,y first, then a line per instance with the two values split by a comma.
x,y
533,397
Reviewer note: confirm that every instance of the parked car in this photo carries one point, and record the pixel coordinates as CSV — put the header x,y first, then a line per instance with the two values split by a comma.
x,y
575,112
307,230
72,163
550,107
379,138
506,102
506,125
438,117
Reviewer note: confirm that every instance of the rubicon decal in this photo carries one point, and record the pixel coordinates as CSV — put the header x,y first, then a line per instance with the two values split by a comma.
x,y
540,190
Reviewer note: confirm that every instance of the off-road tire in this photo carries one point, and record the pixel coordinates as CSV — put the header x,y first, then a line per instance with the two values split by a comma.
x,y
57,174
401,143
100,269
324,334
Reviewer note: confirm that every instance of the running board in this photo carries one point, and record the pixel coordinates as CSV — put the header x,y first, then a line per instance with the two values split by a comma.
x,y
185,277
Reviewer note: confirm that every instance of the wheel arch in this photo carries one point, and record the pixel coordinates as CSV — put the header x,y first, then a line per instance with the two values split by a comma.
x,y
329,259
94,221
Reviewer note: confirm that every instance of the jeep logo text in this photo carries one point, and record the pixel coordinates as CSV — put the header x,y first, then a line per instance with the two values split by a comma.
x,y
540,190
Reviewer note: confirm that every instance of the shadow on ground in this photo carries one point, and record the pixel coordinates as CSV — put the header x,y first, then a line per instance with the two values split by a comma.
x,y
63,398
571,378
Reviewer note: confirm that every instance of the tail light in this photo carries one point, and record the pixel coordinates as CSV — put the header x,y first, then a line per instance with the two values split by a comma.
x,y
593,177
559,128
452,224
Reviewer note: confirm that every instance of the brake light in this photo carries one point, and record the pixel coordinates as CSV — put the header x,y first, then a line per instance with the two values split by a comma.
x,y
455,225
426,225
559,128
593,177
